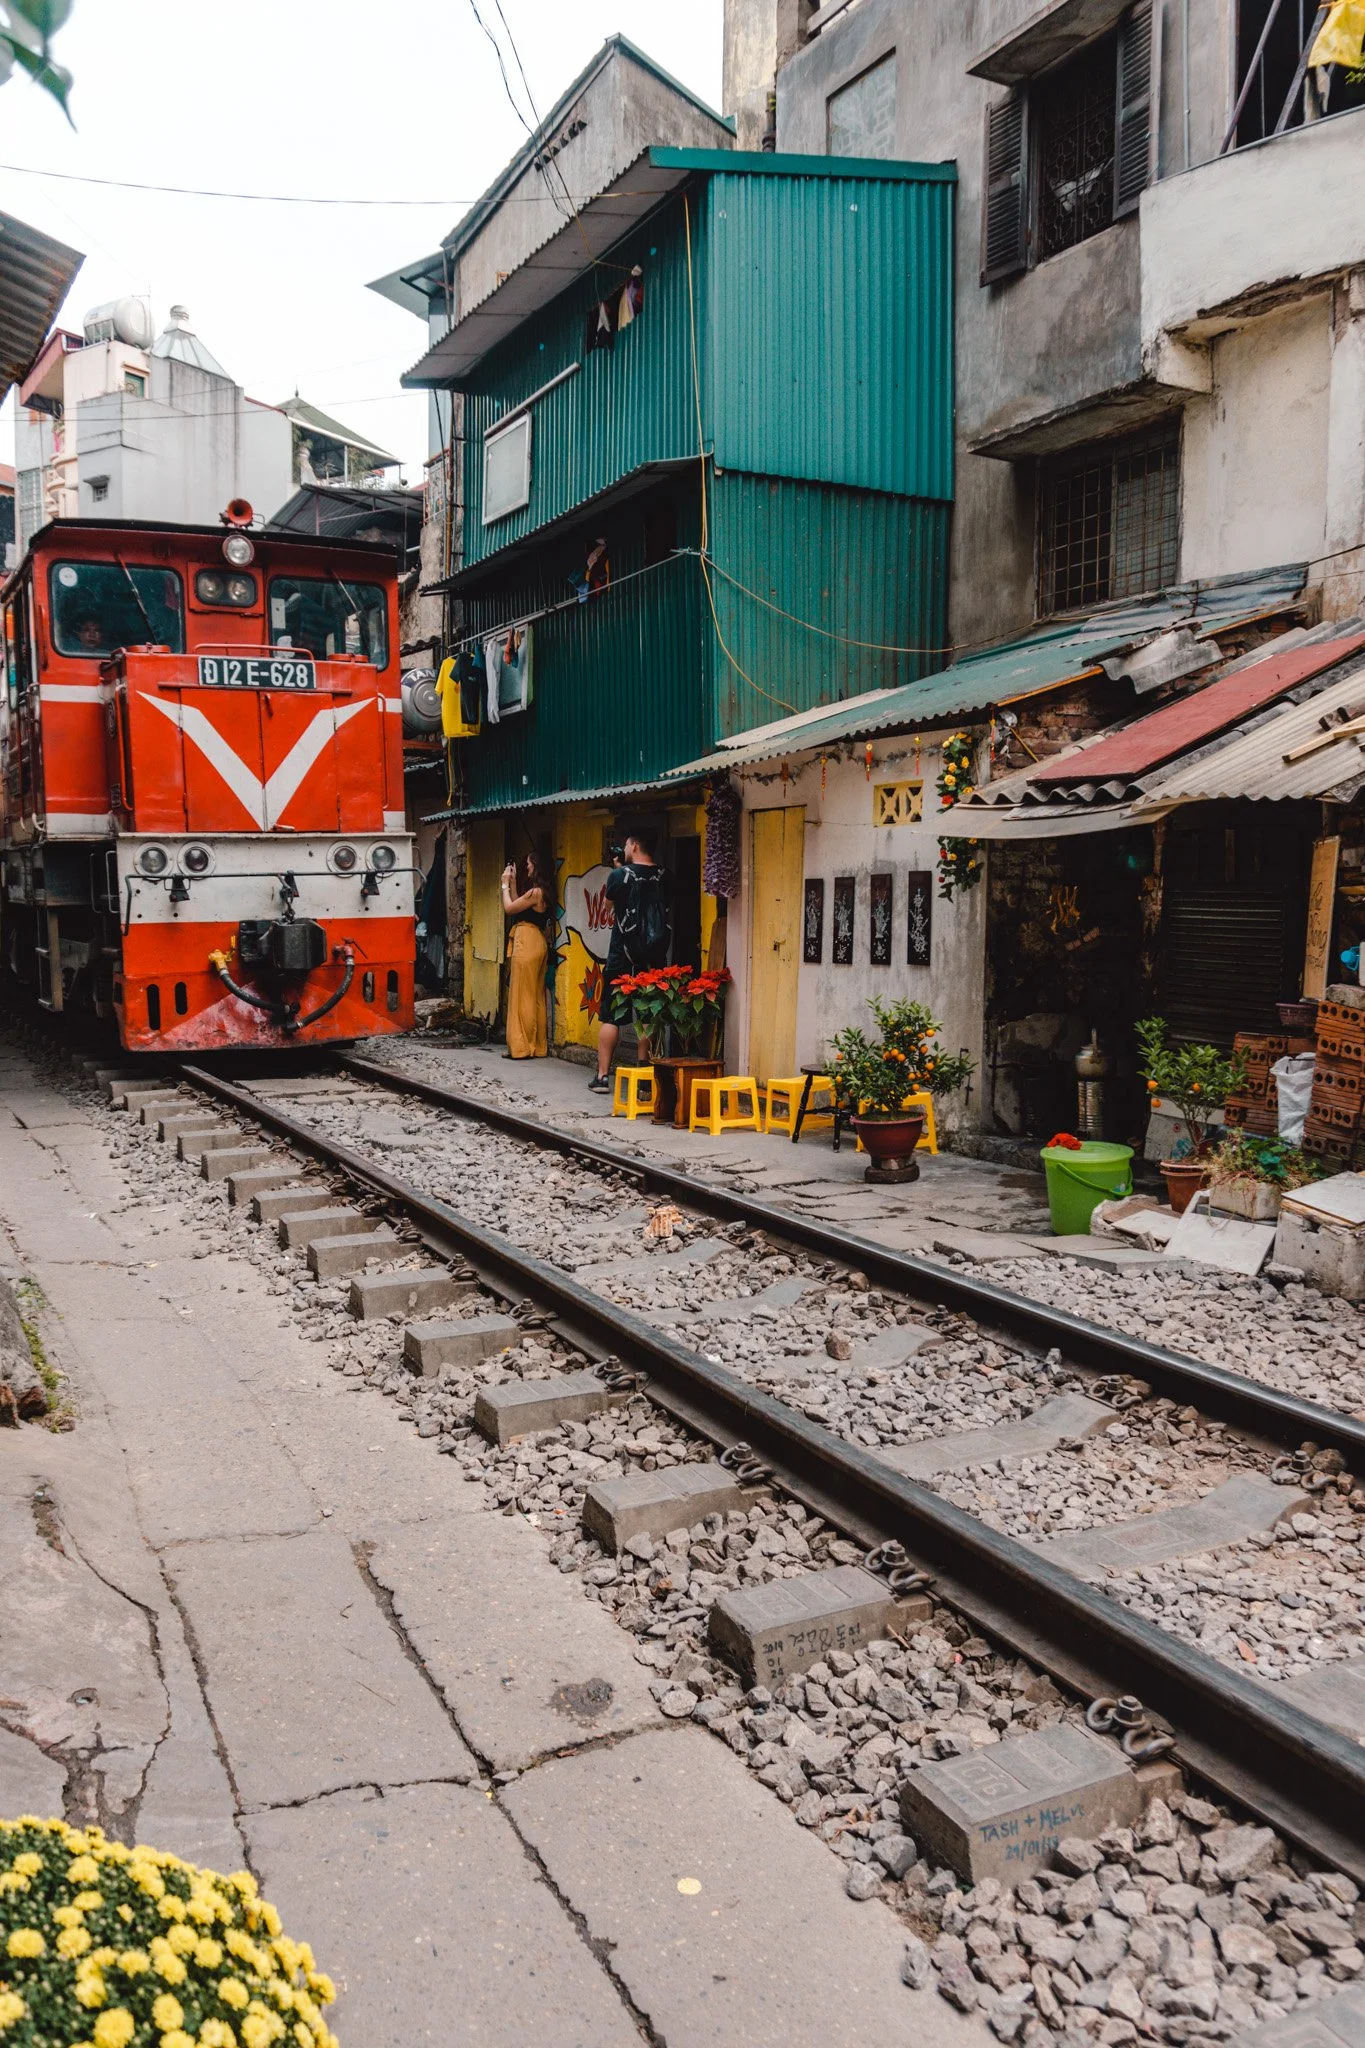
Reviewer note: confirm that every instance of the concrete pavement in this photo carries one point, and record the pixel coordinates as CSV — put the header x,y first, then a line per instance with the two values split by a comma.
x,y
250,1618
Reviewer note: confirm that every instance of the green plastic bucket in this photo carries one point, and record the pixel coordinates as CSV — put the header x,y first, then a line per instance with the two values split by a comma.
x,y
1077,1182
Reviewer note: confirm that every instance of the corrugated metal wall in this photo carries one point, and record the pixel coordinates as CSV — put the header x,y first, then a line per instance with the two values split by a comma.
x,y
861,566
829,328
625,406
619,694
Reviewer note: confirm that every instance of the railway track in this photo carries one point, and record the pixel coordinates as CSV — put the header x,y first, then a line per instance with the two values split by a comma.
x,y
1247,1739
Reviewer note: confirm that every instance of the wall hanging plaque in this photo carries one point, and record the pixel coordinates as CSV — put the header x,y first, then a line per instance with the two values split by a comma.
x,y
844,886
880,937
813,924
920,929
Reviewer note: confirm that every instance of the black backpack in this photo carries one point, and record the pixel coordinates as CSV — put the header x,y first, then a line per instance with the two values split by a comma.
x,y
644,923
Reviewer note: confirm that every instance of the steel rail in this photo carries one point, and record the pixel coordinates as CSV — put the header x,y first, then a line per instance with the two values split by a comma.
x,y
1259,1410
1297,1773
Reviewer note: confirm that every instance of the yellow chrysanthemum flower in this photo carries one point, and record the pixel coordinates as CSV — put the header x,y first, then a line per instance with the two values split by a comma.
x,y
208,1954
183,1939
68,1916
321,1986
148,1880
72,1941
115,2028
167,2012
256,2031
12,2009
125,1914
90,1991
203,1908
167,1963
134,1962
25,1942
217,2034
233,1992
28,1865
303,2035
89,1902
102,1958
176,2038
75,1841
84,1870
13,1881
171,1906
271,1918
245,1883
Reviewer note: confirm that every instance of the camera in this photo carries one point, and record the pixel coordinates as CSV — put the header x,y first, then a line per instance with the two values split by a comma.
x,y
616,853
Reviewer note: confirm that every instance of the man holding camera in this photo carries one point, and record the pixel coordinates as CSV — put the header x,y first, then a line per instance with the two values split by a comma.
x,y
637,889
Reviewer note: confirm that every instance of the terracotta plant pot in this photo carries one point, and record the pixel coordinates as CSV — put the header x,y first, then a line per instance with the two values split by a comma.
x,y
1183,1178
673,1080
890,1142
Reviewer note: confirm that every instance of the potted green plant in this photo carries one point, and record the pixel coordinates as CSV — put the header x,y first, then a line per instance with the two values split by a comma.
x,y
1195,1080
875,1078
674,1010
1248,1175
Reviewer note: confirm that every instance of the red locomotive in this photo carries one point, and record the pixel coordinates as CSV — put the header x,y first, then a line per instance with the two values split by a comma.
x,y
202,829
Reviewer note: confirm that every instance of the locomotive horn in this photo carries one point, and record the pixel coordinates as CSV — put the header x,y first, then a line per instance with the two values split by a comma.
x,y
238,513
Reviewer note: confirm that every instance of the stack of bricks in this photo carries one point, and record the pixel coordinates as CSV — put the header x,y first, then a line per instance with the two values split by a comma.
x,y
1332,1131
1255,1106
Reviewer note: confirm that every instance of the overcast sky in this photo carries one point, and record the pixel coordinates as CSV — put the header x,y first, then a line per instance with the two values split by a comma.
x,y
323,97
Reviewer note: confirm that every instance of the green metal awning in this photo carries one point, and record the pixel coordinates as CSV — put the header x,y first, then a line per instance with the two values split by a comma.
x,y
1055,655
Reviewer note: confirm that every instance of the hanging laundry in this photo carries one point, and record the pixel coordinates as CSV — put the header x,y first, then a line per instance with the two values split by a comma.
x,y
632,298
515,679
1341,39
492,664
596,573
601,325
459,685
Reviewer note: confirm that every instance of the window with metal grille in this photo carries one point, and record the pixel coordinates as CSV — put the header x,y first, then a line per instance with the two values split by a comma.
x,y
1074,123
1070,152
1109,521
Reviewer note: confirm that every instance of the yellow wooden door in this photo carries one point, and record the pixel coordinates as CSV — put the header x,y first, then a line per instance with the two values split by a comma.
x,y
483,916
778,866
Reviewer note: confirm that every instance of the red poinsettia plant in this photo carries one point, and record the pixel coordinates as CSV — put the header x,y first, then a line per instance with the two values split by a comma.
x,y
676,999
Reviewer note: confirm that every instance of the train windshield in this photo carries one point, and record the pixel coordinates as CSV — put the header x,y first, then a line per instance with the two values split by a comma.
x,y
328,617
100,606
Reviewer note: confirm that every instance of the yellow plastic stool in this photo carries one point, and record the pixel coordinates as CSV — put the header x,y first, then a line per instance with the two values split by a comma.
x,y
720,1093
924,1102
634,1091
784,1099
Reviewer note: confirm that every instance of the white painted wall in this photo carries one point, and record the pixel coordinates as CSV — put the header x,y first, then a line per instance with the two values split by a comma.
x,y
842,840
1284,209
1256,448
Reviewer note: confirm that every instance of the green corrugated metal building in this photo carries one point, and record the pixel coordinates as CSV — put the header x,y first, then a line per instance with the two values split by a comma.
x,y
766,448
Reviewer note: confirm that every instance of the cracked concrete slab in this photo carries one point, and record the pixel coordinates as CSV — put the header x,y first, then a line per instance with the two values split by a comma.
x,y
30,1782
526,1664
177,1409
306,1680
763,1946
452,1935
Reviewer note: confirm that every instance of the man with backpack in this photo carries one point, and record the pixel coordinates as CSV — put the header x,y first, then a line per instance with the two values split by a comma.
x,y
637,889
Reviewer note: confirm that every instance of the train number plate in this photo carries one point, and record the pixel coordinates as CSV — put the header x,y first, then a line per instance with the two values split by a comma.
x,y
257,672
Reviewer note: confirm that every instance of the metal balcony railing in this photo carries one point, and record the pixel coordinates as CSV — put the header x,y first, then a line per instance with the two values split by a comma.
x,y
1257,89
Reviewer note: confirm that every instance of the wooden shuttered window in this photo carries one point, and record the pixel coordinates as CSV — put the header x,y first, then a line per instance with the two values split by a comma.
x,y
1134,127
1049,130
1005,218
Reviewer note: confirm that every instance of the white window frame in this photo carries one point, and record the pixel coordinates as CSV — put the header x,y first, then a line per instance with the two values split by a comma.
x,y
495,435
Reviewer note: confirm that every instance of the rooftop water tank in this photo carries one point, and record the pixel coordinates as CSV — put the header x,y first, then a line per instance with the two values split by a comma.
x,y
128,320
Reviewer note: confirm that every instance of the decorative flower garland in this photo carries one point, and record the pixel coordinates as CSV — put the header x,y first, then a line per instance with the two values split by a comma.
x,y
960,863
723,810
102,1946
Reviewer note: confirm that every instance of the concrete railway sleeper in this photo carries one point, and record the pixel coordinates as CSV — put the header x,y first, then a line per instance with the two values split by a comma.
x,y
1250,1741
998,1950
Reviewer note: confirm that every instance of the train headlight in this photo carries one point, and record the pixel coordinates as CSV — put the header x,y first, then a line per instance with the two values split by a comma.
x,y
210,587
241,589
343,858
153,860
197,860
238,550
383,859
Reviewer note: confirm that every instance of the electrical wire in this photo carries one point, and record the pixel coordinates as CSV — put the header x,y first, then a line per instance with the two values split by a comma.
x,y
197,192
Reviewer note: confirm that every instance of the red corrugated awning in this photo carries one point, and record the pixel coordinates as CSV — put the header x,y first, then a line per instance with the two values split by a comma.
x,y
1148,742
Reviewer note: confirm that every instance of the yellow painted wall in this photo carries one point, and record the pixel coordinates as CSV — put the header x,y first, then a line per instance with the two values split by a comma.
x,y
484,929
578,847
775,939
